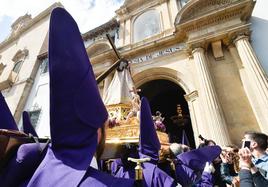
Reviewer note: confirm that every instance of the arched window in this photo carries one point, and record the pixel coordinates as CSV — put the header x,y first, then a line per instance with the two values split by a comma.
x,y
17,66
146,25
44,66
19,59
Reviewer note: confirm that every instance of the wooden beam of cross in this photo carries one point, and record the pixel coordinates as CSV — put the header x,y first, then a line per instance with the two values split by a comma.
x,y
135,91
120,60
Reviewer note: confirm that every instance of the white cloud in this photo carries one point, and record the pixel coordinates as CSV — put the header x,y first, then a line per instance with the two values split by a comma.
x,y
87,13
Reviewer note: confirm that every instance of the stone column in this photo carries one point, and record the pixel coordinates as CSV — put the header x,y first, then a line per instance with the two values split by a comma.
x,y
198,125
257,80
210,106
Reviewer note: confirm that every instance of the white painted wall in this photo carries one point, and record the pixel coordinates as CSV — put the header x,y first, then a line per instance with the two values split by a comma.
x,y
40,95
259,27
32,40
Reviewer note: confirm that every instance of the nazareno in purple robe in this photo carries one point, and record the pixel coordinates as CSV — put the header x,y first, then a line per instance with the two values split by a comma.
x,y
21,166
76,112
190,165
149,147
6,118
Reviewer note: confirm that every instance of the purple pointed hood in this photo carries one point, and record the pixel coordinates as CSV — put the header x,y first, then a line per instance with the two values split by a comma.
x,y
76,108
184,139
192,163
149,142
196,159
6,118
27,125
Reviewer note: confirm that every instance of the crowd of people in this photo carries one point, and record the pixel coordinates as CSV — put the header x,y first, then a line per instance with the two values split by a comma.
x,y
78,119
246,166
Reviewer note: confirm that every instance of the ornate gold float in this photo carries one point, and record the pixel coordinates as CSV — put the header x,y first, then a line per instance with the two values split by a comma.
x,y
126,130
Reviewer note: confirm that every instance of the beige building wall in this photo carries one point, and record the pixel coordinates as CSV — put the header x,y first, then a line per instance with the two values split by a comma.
x,y
30,39
237,110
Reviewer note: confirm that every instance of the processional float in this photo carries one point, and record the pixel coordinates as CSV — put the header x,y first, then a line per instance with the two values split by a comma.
x,y
123,105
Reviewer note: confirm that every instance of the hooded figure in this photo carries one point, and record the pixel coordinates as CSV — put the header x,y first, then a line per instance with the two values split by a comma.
x,y
76,112
22,165
149,147
22,162
10,137
6,118
27,125
190,165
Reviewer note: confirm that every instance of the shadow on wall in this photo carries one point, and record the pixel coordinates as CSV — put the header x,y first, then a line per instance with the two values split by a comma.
x,y
259,40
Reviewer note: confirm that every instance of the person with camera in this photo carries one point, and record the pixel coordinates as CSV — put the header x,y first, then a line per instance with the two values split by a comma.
x,y
253,160
229,165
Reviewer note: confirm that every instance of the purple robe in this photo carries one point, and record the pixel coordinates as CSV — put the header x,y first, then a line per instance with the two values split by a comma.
x,y
76,111
94,177
22,166
206,180
190,165
116,165
6,118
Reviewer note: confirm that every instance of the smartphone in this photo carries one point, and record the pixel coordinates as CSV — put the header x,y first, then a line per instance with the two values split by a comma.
x,y
246,144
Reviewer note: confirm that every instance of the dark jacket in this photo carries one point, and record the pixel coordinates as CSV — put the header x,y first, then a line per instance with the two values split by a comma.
x,y
252,180
227,173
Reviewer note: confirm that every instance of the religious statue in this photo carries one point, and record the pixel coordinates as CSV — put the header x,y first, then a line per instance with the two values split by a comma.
x,y
135,104
179,118
158,122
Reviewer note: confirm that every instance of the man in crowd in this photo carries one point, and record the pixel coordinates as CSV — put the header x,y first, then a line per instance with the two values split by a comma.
x,y
254,160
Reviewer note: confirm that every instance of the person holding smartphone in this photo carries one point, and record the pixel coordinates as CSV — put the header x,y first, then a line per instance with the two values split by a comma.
x,y
254,159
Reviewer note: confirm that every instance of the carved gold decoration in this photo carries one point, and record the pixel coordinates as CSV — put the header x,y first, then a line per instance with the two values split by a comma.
x,y
118,111
128,131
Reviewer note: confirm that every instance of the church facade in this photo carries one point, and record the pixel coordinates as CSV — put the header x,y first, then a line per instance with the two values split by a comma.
x,y
195,54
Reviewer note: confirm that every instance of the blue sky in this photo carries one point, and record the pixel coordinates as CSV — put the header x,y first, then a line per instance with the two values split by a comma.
x,y
82,10
5,24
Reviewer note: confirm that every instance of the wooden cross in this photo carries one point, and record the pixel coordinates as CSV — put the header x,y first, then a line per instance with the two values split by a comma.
x,y
135,91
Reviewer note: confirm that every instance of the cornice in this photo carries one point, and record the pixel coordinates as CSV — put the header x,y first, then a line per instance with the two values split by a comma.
x,y
213,18
101,29
227,35
198,8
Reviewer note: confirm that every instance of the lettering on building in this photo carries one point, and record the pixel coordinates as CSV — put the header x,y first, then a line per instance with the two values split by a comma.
x,y
157,54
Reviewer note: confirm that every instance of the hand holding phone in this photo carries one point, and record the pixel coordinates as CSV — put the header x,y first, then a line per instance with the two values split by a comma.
x,y
245,144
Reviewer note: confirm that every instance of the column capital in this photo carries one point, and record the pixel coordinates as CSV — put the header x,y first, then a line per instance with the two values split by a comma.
x,y
198,49
191,96
240,37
